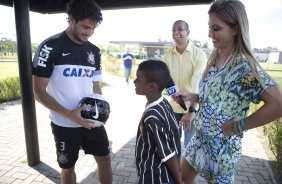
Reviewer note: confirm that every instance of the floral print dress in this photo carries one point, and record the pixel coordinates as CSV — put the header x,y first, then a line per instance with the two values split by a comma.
x,y
224,93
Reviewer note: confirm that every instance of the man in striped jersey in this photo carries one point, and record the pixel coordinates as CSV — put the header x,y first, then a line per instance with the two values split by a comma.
x,y
157,148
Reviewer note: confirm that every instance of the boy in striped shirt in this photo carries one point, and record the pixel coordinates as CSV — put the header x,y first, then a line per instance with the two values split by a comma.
x,y
157,148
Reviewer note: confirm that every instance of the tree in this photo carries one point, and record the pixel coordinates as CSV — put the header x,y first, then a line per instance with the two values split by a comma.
x,y
205,45
7,46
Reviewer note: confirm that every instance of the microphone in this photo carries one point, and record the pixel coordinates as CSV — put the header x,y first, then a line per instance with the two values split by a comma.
x,y
173,89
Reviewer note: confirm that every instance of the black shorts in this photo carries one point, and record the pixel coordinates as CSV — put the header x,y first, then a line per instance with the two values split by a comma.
x,y
69,140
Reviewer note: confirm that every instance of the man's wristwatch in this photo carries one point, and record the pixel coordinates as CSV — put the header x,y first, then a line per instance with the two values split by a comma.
x,y
192,109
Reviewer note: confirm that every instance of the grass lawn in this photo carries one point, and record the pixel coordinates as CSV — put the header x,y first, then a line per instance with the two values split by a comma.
x,y
9,69
270,66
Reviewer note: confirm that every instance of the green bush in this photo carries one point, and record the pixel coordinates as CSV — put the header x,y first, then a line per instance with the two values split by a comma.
x,y
114,66
9,89
273,131
275,138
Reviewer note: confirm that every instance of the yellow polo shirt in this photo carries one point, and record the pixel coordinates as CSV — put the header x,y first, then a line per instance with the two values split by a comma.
x,y
186,69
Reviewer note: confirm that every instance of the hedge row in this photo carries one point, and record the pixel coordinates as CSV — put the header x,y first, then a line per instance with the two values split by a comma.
x,y
274,133
9,89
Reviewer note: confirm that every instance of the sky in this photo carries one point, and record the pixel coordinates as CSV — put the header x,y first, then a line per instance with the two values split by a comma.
x,y
153,24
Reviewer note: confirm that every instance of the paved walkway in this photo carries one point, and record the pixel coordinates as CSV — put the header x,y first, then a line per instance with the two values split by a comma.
x,y
126,109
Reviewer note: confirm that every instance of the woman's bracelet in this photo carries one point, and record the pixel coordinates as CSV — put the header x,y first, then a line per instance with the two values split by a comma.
x,y
237,129
242,124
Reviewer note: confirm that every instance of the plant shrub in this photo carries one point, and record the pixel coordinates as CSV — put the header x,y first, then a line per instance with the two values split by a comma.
x,y
9,89
273,131
114,66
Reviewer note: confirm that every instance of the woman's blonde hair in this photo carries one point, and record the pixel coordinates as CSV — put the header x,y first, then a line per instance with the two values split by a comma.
x,y
233,13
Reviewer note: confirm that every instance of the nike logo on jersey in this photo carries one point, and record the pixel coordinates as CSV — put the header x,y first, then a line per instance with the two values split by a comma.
x,y
96,110
65,54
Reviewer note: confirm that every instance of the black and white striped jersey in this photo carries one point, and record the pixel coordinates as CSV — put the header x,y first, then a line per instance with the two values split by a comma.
x,y
71,69
157,141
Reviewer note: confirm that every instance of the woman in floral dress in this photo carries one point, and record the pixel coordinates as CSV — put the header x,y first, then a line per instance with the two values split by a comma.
x,y
232,80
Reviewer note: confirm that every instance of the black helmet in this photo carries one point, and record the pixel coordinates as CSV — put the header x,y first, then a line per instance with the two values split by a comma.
x,y
97,109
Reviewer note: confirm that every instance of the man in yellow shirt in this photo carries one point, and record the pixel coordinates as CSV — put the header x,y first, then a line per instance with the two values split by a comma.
x,y
186,63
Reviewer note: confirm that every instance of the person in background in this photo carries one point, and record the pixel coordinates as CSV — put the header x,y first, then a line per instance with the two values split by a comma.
x,y
127,59
66,68
157,147
186,64
232,80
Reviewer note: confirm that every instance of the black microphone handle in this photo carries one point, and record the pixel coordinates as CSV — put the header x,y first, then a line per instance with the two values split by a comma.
x,y
181,103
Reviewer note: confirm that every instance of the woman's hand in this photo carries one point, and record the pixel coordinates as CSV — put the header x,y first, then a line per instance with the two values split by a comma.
x,y
227,128
186,120
186,96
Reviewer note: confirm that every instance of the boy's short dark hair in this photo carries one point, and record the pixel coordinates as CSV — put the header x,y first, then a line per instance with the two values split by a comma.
x,y
84,9
156,71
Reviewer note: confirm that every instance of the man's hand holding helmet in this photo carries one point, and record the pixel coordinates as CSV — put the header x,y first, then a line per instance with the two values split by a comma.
x,y
75,116
94,110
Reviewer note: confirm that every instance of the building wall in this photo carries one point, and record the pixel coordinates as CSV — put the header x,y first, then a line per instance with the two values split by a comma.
x,y
275,57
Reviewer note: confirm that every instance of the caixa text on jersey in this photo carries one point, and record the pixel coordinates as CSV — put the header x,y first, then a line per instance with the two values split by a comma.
x,y
78,72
